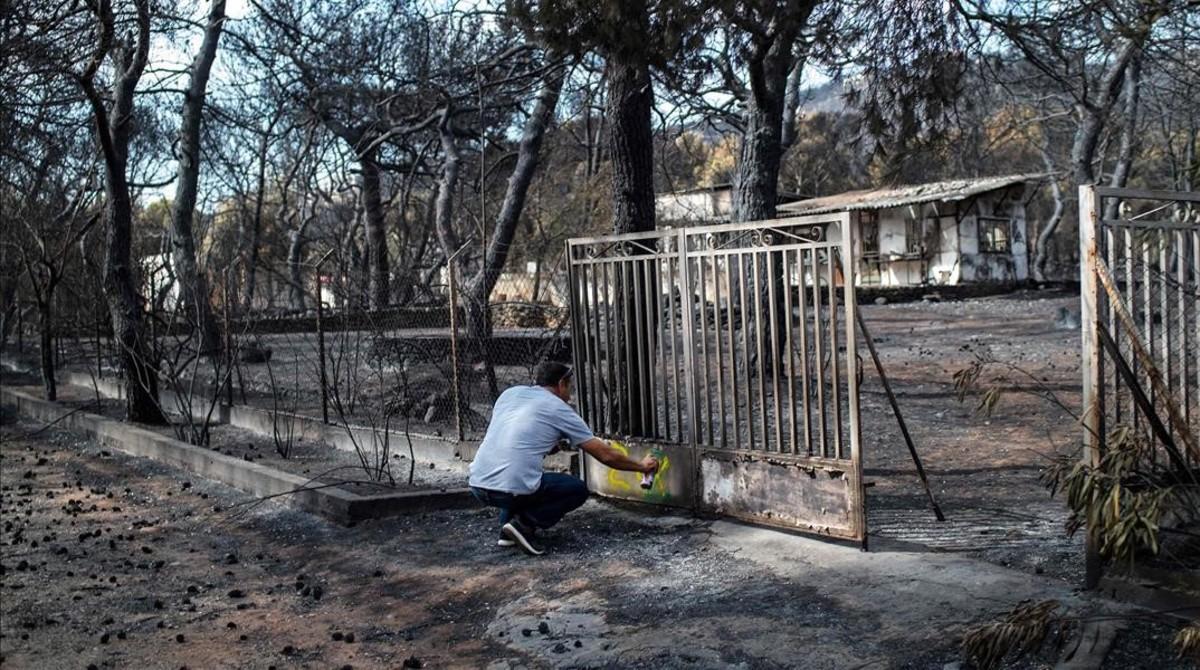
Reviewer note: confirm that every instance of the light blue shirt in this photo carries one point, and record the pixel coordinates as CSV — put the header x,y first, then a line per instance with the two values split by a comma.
x,y
527,422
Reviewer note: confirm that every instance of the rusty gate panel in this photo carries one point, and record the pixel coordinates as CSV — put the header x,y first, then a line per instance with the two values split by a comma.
x,y
781,493
729,351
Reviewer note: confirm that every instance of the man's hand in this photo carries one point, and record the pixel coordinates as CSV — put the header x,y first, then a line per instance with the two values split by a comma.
x,y
604,452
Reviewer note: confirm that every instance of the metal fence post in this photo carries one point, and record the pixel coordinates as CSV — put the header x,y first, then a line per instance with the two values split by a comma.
x,y
99,354
228,343
1090,362
321,343
455,390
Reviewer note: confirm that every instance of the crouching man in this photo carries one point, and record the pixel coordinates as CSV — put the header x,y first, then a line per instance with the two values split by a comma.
x,y
527,424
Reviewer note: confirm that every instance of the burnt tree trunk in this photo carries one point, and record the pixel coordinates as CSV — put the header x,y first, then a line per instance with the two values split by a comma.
x,y
1090,115
1129,140
1041,256
295,257
756,182
378,293
1090,121
630,148
631,145
113,116
773,72
192,281
755,195
125,308
46,340
479,326
256,223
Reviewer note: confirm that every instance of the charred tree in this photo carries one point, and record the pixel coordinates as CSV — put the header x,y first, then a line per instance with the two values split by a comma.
x,y
481,283
378,288
114,122
773,69
193,283
254,242
630,147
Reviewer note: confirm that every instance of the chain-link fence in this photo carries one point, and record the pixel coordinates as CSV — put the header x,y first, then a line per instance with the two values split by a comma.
x,y
306,342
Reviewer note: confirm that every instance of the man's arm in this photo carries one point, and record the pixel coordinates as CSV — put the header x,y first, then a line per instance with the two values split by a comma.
x,y
602,451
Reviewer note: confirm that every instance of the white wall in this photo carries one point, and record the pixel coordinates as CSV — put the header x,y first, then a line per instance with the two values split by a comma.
x,y
944,266
957,258
1020,242
693,207
994,267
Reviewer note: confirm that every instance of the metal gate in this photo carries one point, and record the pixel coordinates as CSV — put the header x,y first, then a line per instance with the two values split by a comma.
x,y
1140,315
730,352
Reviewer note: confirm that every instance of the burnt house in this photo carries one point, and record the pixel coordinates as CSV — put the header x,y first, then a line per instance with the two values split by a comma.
x,y
942,233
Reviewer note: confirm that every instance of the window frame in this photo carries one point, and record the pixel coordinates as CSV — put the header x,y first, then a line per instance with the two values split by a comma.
x,y
986,228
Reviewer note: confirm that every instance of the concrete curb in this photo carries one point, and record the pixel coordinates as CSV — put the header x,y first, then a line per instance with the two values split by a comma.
x,y
253,478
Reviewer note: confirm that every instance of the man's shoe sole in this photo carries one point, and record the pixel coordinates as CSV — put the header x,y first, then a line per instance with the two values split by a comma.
x,y
515,535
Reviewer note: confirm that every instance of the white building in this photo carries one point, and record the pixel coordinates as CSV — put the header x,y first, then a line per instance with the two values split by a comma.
x,y
701,206
942,233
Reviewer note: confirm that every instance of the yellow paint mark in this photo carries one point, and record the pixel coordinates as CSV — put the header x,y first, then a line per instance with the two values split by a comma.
x,y
615,479
620,480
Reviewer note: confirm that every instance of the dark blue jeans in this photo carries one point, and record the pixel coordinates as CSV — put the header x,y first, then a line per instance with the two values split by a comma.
x,y
555,496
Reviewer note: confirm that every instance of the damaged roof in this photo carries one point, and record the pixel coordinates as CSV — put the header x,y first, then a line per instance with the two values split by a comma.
x,y
883,198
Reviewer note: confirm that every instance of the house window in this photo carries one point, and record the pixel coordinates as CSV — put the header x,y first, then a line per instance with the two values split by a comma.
x,y
913,237
993,235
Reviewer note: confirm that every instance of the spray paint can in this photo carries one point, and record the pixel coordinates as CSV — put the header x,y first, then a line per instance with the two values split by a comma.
x,y
648,477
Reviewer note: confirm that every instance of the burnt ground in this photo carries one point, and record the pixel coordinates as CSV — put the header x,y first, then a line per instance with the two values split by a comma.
x,y
983,468
112,562
622,587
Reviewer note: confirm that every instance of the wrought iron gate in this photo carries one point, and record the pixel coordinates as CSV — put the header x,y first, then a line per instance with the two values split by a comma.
x,y
1140,294
731,351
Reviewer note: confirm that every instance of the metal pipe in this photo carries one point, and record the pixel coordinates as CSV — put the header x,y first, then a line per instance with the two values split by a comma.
x,y
688,350
908,441
612,411
805,367
788,345
733,376
675,328
818,357
775,364
663,331
759,352
717,273
835,371
627,323
746,346
320,344
456,389
705,435
643,380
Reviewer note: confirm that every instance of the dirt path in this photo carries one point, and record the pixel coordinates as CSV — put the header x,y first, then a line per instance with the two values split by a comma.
x,y
111,562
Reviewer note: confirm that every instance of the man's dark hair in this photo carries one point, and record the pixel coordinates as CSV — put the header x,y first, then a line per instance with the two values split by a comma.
x,y
550,373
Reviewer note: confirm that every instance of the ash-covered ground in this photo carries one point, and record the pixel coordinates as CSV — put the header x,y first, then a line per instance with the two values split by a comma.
x,y
115,562
110,561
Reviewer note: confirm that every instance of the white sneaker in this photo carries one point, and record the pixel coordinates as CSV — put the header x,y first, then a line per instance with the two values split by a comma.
x,y
512,532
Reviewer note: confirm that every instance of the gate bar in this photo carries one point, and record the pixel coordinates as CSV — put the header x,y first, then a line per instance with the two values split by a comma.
x,y
887,387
